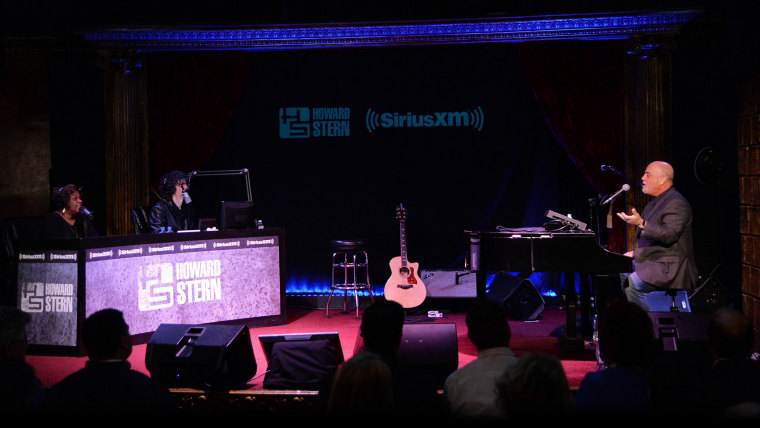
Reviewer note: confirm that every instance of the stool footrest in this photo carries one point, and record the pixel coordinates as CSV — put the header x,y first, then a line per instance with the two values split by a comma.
x,y
349,286
349,265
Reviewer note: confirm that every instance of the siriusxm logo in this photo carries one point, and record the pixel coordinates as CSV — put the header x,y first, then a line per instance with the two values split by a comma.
x,y
306,122
468,119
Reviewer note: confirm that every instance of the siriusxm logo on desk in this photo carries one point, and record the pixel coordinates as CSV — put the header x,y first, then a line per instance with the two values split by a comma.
x,y
162,285
308,122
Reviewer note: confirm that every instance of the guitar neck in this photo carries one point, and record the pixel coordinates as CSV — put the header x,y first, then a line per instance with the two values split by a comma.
x,y
402,239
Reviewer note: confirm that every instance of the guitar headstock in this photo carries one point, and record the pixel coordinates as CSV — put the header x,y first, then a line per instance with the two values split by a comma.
x,y
400,212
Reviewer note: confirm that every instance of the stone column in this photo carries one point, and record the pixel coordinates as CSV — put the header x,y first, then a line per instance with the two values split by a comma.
x,y
126,142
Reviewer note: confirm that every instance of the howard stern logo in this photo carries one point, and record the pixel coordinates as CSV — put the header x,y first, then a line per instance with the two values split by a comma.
x,y
307,122
472,118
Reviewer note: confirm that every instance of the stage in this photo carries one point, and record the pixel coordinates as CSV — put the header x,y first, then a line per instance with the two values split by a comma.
x,y
527,336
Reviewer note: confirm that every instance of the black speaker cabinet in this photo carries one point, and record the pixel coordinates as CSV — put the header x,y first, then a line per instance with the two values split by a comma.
x,y
709,295
517,296
428,349
681,331
201,356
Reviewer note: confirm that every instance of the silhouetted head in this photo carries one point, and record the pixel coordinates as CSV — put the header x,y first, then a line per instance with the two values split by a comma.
x,y
106,336
487,325
626,335
382,326
13,334
730,334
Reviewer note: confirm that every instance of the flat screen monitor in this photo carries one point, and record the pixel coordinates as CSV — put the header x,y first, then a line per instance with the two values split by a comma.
x,y
237,215
268,341
209,188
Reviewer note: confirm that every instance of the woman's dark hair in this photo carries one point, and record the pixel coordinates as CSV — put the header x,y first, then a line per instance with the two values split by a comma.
x,y
61,195
168,181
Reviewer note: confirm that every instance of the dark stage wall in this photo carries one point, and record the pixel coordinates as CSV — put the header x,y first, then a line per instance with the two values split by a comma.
x,y
454,133
503,166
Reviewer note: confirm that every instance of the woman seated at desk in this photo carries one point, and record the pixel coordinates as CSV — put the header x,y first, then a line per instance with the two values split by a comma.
x,y
70,219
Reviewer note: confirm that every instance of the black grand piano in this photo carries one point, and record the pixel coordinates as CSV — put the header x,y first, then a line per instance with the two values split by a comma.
x,y
567,250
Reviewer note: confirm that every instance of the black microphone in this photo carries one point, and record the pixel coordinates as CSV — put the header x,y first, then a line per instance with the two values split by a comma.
x,y
83,209
625,188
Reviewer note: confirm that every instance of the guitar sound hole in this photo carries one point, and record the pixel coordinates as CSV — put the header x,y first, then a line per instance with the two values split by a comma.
x,y
404,272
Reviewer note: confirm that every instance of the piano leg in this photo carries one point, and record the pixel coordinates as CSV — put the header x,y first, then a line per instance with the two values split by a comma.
x,y
586,307
573,342
480,284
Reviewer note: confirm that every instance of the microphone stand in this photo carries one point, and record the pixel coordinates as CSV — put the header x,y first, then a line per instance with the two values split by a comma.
x,y
593,206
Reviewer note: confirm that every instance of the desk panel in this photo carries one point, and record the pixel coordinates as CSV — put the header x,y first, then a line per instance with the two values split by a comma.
x,y
187,278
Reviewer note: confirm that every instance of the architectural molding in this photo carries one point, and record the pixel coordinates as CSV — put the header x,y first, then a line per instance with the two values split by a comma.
x,y
355,35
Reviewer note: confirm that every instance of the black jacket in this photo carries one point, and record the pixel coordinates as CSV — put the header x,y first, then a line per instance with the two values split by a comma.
x,y
165,214
54,226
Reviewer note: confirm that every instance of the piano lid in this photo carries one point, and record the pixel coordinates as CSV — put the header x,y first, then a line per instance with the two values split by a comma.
x,y
538,250
528,232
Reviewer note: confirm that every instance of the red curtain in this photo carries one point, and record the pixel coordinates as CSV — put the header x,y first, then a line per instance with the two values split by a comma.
x,y
580,85
191,99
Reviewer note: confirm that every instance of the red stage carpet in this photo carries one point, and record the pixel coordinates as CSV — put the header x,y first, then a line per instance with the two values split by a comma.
x,y
527,336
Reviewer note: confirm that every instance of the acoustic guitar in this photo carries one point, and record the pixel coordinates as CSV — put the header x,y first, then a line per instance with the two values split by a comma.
x,y
404,286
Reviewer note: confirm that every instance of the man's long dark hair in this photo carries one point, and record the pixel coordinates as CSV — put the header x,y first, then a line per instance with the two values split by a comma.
x,y
168,181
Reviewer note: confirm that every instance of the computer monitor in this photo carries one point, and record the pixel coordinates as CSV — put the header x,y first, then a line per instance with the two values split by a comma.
x,y
209,188
237,215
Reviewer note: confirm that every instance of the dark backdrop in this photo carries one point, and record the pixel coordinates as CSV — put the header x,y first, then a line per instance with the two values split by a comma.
x,y
321,188
219,110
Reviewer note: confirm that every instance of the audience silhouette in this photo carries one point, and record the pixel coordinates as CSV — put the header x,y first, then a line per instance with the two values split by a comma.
x,y
637,378
735,377
362,386
536,385
626,347
381,330
20,389
107,382
471,390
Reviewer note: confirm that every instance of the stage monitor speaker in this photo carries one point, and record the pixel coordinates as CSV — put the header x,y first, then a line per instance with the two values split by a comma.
x,y
517,296
709,295
681,331
428,349
201,356
301,361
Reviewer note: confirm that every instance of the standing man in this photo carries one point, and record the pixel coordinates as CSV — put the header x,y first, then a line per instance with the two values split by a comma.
x,y
663,252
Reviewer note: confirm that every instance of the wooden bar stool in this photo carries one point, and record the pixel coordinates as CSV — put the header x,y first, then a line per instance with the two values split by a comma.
x,y
350,262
